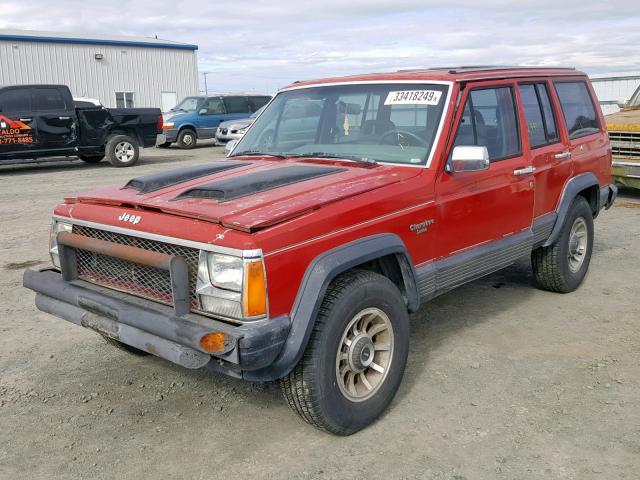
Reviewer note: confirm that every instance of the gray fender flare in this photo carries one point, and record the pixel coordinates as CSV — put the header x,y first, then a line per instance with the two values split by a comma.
x,y
571,189
319,274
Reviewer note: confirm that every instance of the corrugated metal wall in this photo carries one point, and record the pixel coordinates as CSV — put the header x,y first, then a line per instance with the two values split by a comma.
x,y
612,88
146,71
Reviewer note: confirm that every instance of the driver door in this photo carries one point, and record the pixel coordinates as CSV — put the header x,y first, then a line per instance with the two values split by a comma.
x,y
484,213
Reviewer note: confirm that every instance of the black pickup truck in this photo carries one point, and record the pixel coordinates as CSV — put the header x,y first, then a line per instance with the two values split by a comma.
x,y
39,121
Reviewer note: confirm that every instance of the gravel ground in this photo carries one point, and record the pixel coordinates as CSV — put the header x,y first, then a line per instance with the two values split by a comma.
x,y
504,381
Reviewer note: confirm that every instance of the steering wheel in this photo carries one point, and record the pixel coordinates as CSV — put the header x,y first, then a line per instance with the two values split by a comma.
x,y
400,135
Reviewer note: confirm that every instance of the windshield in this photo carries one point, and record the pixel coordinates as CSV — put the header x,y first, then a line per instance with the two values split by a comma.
x,y
189,104
394,123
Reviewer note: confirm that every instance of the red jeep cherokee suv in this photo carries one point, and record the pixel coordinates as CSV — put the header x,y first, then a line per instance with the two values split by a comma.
x,y
348,204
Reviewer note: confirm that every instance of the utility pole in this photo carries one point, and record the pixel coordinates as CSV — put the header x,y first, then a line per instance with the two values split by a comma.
x,y
206,89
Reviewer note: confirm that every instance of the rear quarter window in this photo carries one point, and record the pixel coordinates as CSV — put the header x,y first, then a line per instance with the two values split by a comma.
x,y
577,108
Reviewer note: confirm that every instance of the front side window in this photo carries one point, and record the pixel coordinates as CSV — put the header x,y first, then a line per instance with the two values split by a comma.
x,y
489,120
47,99
577,108
124,99
394,123
15,100
539,114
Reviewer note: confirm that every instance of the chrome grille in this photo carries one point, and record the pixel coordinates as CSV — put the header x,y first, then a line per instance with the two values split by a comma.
x,y
625,144
140,280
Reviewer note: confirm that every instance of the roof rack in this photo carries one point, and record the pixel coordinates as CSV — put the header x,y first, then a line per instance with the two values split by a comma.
x,y
482,68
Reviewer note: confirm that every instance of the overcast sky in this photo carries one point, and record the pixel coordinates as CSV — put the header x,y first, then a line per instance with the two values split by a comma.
x,y
262,45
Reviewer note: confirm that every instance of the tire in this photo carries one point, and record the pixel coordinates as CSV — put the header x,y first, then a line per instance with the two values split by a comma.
x,y
91,158
187,139
122,151
125,347
561,267
164,145
316,388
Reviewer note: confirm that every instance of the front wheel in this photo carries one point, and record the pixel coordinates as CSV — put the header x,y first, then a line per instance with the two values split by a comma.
x,y
355,359
122,151
187,139
562,266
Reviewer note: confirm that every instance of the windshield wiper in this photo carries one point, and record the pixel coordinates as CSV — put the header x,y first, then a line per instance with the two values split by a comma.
x,y
355,158
257,153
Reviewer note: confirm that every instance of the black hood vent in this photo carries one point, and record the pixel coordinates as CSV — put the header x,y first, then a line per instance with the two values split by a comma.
x,y
158,181
241,186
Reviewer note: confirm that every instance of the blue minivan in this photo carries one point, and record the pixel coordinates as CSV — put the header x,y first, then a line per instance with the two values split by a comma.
x,y
198,117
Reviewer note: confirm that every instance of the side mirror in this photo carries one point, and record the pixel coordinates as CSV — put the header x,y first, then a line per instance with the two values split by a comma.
x,y
469,159
228,148
203,111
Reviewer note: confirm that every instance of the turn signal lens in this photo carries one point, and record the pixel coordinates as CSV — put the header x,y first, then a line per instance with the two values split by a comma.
x,y
213,342
254,298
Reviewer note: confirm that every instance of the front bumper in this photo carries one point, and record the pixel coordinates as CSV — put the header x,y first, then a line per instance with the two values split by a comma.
x,y
171,134
227,136
608,195
626,172
155,328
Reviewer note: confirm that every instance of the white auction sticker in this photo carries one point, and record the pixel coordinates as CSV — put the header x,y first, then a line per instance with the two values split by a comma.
x,y
413,97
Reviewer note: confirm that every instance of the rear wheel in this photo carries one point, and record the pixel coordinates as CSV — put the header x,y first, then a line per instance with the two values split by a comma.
x,y
122,151
187,138
561,267
356,355
91,158
124,346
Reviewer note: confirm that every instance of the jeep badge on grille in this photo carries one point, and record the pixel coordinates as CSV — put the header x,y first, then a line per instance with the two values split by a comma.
x,y
126,217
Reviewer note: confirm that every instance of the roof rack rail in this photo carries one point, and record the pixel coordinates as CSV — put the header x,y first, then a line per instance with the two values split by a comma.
x,y
485,68
481,68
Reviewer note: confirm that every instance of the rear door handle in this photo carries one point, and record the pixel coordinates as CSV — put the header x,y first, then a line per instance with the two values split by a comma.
x,y
563,155
64,118
524,171
26,119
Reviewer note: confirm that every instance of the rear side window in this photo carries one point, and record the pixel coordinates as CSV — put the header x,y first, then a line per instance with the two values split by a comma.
x,y
47,99
15,100
539,114
256,102
236,104
489,119
577,108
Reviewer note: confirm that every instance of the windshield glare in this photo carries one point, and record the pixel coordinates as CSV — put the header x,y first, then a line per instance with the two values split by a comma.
x,y
189,104
394,123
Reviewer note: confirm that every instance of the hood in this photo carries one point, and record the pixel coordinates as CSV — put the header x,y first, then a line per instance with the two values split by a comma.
x,y
625,120
174,116
235,124
249,193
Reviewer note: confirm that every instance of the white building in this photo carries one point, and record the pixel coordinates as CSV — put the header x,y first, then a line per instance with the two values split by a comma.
x,y
612,88
119,71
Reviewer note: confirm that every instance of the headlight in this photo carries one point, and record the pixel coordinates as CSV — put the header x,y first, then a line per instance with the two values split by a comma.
x,y
56,228
231,286
243,129
225,271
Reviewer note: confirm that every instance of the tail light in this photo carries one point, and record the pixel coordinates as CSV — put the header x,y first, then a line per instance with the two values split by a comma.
x,y
160,123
